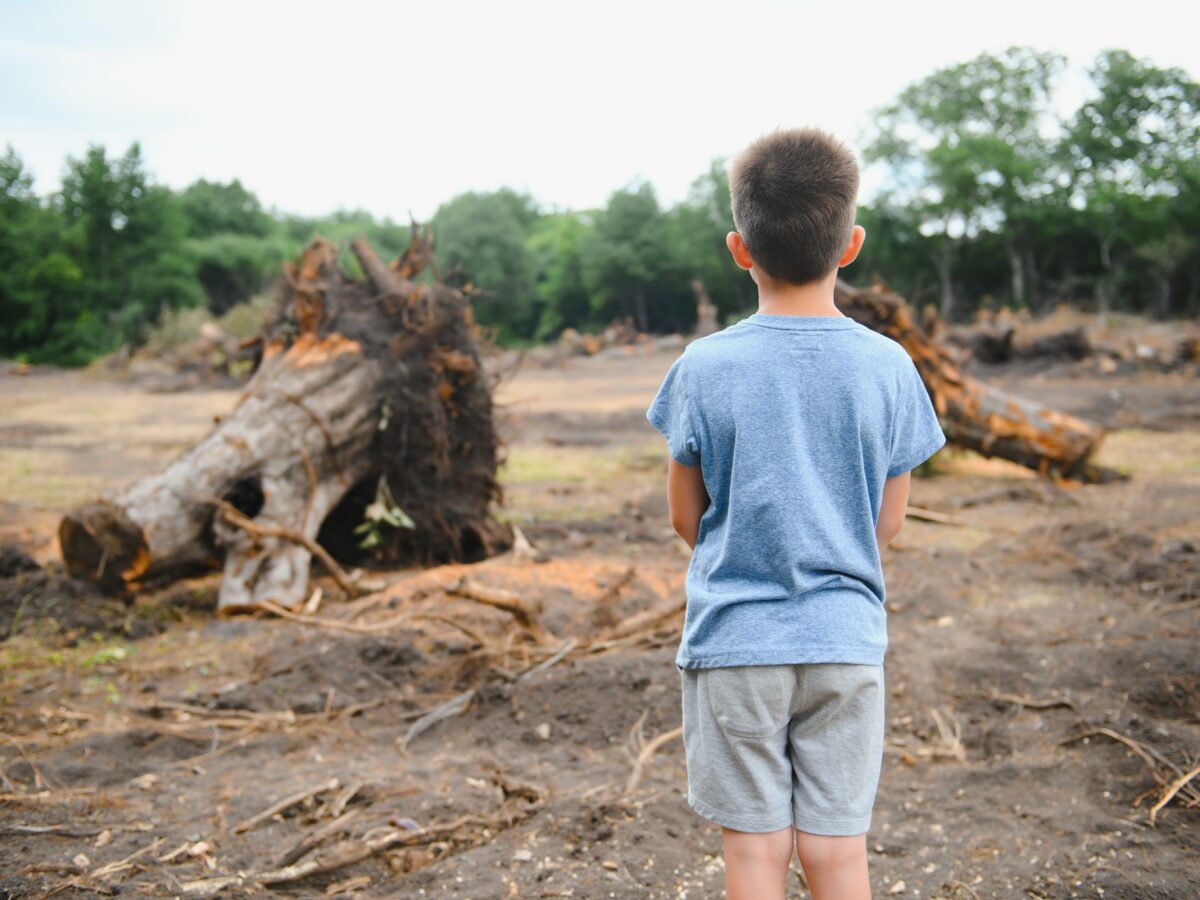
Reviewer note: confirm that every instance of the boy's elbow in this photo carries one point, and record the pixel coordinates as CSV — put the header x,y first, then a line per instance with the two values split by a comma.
x,y
888,529
682,525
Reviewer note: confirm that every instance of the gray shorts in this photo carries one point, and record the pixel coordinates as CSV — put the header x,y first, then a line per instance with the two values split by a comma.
x,y
784,745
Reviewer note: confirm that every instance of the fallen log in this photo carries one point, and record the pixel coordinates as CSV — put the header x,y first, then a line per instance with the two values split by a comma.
x,y
369,411
976,415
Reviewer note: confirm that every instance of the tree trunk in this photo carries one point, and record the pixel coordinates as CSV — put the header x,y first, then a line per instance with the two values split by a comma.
x,y
976,415
1033,285
1162,277
643,318
944,262
706,312
370,394
1016,269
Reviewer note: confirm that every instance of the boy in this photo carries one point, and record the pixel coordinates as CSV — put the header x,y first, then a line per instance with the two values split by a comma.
x,y
791,436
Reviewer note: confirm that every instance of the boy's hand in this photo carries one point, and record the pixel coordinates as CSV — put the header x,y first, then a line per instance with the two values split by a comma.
x,y
687,498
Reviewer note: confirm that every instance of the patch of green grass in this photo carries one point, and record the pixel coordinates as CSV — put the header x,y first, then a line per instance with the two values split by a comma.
x,y
106,655
38,477
527,465
1135,451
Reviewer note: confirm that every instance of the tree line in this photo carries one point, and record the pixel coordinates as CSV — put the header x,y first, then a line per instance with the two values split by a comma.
x,y
989,197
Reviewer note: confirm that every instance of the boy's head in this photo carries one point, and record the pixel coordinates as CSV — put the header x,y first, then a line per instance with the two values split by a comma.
x,y
794,195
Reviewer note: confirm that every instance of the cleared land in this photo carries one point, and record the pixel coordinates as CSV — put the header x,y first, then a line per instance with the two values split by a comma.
x,y
1044,684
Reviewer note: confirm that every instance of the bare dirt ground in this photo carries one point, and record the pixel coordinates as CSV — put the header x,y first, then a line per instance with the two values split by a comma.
x,y
1043,674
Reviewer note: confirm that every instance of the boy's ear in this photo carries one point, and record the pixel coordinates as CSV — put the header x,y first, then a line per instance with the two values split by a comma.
x,y
737,249
856,241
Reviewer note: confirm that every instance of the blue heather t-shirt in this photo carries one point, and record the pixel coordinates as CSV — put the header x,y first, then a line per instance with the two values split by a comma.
x,y
796,423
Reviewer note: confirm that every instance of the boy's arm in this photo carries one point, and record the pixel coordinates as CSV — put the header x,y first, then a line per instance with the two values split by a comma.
x,y
891,512
687,498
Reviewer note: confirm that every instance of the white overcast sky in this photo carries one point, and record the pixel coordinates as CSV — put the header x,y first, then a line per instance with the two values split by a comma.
x,y
395,107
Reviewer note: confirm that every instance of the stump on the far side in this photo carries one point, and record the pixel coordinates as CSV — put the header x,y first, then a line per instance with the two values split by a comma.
x,y
976,415
370,405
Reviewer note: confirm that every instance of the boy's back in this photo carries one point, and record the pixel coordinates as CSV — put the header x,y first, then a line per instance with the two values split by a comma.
x,y
791,434
796,422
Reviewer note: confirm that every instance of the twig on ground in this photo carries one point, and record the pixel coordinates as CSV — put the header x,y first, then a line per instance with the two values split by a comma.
x,y
121,864
643,623
453,623
559,654
60,830
452,707
522,549
951,733
1172,789
641,750
312,840
1171,779
38,781
526,614
235,517
286,803
350,852
335,624
941,518
336,806
313,603
613,591
1028,702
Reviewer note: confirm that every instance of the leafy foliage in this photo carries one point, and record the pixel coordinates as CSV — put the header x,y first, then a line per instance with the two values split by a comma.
x,y
990,197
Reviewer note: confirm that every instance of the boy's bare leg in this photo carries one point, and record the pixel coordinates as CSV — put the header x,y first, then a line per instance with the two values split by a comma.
x,y
835,867
756,865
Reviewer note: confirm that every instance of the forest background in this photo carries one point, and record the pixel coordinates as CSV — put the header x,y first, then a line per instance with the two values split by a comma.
x,y
988,199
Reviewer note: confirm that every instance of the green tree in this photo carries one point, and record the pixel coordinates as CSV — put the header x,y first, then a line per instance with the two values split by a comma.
x,y
627,266
559,287
696,230
968,155
127,236
483,239
213,208
39,283
1133,153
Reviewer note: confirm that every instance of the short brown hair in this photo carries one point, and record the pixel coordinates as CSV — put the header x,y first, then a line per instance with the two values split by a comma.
x,y
793,194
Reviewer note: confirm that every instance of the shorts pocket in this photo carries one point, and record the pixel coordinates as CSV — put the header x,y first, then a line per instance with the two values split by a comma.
x,y
749,701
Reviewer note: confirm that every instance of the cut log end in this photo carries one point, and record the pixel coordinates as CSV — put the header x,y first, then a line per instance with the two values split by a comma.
x,y
100,543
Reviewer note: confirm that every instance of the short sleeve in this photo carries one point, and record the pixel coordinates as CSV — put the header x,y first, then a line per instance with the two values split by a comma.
x,y
916,433
672,414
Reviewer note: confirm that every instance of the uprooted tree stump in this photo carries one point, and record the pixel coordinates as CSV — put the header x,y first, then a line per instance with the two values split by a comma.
x,y
976,415
370,404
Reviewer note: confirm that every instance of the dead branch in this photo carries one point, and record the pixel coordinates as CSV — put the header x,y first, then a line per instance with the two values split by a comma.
x,y
941,518
647,621
537,668
526,614
1027,701
113,867
1172,789
235,517
447,710
334,624
1157,763
314,839
640,751
286,803
453,623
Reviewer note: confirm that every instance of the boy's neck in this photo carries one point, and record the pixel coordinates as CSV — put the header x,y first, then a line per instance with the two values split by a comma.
x,y
779,298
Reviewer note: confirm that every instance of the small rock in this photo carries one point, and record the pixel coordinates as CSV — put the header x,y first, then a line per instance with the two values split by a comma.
x,y
522,855
898,887
543,731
